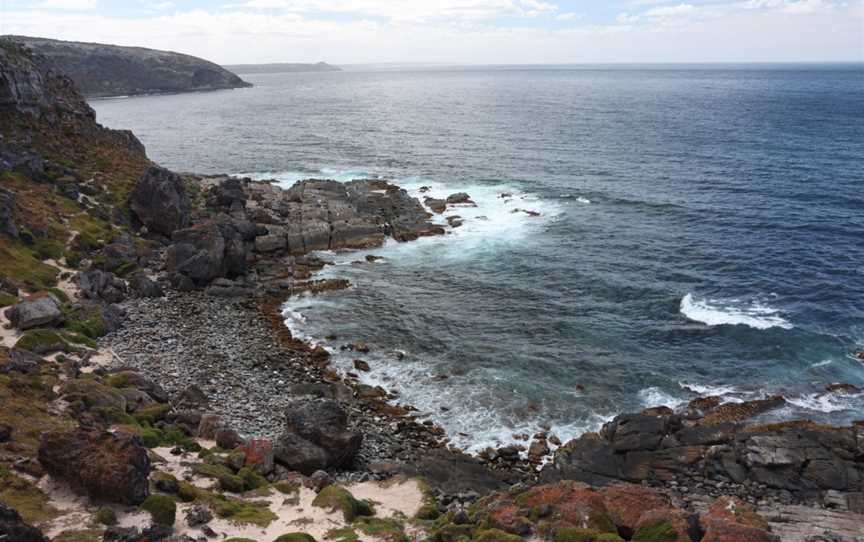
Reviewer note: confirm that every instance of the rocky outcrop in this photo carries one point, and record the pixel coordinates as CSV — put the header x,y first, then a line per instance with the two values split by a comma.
x,y
14,529
329,215
159,201
209,250
108,467
659,445
316,437
34,311
101,285
27,86
111,70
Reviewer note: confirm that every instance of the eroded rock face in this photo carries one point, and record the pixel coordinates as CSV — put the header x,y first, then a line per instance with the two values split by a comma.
x,y
37,310
14,529
159,201
316,437
106,466
101,285
660,445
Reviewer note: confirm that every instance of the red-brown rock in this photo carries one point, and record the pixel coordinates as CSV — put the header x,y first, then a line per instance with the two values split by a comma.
x,y
731,520
627,503
259,455
108,467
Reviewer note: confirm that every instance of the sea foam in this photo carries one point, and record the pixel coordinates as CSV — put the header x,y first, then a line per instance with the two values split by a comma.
x,y
733,312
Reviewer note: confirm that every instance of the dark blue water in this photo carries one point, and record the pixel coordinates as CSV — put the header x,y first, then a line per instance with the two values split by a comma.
x,y
701,231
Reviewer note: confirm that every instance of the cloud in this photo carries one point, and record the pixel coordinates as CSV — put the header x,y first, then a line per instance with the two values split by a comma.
x,y
569,16
70,5
404,11
671,11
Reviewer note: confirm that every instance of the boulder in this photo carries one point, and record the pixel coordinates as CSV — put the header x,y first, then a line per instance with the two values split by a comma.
x,y
101,285
227,195
119,253
316,436
34,311
459,198
208,251
159,201
106,466
7,213
627,503
13,528
142,286
259,455
270,243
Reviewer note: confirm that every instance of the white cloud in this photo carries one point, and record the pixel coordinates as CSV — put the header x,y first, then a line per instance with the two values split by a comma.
x,y
156,5
389,33
672,11
791,6
70,5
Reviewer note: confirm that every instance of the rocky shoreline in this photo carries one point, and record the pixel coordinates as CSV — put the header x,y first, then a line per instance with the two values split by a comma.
x,y
150,390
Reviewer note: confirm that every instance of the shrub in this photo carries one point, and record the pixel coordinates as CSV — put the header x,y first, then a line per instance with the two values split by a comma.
x,y
162,508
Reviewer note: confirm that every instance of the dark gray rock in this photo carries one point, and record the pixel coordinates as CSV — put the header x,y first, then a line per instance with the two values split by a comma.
x,y
316,437
101,285
14,529
208,251
37,310
142,286
159,201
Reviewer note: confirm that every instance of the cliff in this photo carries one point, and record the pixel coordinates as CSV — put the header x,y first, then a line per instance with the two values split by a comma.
x,y
109,70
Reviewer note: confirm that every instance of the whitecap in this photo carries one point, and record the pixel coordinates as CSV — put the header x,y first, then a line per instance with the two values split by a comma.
x,y
827,402
584,200
654,397
716,312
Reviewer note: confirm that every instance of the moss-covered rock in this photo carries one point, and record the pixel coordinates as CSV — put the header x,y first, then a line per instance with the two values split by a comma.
x,y
658,532
387,529
79,535
232,483
43,341
251,479
295,537
574,534
496,535
337,498
162,509
106,516
452,533
345,534
151,414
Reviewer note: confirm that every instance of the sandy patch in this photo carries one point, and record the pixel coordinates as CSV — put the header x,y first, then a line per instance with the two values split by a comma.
x,y
65,285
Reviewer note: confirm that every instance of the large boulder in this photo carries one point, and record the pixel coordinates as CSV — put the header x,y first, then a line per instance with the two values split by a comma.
x,y
731,520
143,286
108,467
101,285
159,201
34,311
316,437
7,213
208,251
13,528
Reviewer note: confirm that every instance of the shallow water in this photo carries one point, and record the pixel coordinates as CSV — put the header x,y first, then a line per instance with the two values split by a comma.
x,y
700,231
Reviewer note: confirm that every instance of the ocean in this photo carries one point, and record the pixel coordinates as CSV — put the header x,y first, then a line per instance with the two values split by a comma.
x,y
700,231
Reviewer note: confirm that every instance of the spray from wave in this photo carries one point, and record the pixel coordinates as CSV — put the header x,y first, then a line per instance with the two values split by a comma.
x,y
732,312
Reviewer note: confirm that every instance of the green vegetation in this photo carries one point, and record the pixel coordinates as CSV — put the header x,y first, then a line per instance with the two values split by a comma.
x,y
345,534
287,488
338,498
88,323
496,535
106,516
162,508
657,532
236,510
20,265
7,299
573,534
27,499
295,537
391,530
79,535
251,478
42,341
151,414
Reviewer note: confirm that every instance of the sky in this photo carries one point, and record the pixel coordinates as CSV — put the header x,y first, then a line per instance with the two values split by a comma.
x,y
458,31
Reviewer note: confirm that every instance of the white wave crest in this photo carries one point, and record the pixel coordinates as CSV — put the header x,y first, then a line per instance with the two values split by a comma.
x,y
732,312
654,397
